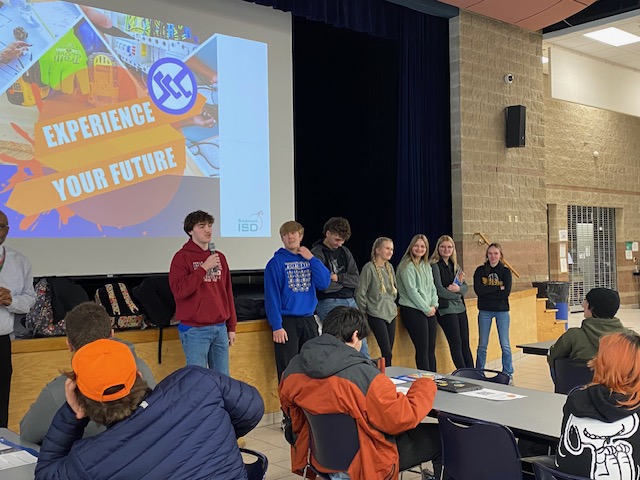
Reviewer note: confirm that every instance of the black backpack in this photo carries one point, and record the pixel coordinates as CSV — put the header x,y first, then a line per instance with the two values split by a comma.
x,y
124,313
249,308
65,294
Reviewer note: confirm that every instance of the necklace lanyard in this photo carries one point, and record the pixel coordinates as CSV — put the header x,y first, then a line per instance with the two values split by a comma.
x,y
4,257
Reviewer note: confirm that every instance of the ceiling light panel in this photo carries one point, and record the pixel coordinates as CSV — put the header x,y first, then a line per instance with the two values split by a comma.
x,y
613,36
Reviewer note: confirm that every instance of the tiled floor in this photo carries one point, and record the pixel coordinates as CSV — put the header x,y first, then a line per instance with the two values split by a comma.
x,y
531,371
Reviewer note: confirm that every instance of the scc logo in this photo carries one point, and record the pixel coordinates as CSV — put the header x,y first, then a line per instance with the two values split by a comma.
x,y
172,86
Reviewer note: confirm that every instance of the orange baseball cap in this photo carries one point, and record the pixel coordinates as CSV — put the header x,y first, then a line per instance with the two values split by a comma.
x,y
101,365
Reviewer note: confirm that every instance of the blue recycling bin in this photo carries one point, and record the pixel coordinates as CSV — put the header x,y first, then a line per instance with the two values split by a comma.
x,y
558,295
563,312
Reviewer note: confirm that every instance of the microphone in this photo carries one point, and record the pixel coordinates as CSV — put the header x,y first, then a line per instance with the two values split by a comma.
x,y
212,250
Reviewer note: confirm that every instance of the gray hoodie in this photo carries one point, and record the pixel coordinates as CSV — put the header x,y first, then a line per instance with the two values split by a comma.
x,y
35,424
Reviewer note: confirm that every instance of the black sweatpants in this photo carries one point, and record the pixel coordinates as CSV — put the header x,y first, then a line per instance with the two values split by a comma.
x,y
422,444
385,334
5,378
299,330
422,330
456,328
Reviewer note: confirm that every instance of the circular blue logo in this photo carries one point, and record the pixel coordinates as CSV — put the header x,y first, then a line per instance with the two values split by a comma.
x,y
172,86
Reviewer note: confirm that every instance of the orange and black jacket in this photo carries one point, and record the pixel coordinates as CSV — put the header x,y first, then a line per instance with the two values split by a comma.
x,y
329,376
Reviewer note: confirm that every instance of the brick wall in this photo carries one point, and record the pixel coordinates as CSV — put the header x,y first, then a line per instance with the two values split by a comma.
x,y
497,191
492,184
574,176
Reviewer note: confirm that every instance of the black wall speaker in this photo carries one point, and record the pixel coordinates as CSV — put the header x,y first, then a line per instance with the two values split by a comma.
x,y
516,119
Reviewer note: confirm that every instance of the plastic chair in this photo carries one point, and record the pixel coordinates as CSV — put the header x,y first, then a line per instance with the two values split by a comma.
x,y
333,442
155,297
570,374
256,470
477,450
481,374
544,472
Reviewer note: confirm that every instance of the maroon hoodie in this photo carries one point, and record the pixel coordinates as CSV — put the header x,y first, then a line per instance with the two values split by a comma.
x,y
202,297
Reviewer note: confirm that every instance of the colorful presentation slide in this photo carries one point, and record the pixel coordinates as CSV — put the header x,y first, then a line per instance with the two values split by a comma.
x,y
115,126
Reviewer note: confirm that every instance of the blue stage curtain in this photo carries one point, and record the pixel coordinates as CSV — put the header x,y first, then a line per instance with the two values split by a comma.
x,y
423,164
346,131
423,192
376,17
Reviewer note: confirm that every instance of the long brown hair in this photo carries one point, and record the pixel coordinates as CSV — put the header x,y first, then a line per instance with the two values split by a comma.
x,y
487,265
617,366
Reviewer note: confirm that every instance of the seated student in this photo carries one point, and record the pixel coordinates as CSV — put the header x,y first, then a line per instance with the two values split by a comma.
x,y
600,307
86,323
600,436
330,376
186,428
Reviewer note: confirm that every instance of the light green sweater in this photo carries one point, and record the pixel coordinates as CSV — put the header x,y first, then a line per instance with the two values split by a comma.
x,y
369,296
416,288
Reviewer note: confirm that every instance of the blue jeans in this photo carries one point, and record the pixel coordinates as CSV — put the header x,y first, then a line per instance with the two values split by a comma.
x,y
207,346
484,327
327,304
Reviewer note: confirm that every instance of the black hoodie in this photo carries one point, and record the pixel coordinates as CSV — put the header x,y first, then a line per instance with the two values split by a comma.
x,y
488,282
339,261
600,439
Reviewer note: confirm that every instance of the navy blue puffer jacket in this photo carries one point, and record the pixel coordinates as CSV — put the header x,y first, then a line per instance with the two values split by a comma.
x,y
185,429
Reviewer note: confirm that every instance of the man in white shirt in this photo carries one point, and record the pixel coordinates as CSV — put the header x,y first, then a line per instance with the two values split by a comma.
x,y
16,296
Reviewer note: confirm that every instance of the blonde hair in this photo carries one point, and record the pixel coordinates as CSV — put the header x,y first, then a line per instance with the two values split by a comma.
x,y
408,256
617,366
388,267
435,256
378,244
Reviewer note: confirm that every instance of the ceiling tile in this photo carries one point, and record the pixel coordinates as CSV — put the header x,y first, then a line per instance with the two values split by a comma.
x,y
532,15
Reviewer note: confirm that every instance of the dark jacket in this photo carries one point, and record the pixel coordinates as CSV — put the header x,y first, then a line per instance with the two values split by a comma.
x,y
599,439
582,343
36,422
487,281
187,428
329,376
339,261
448,302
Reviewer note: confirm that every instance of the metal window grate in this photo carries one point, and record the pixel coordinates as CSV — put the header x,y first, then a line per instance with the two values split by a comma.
x,y
592,250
